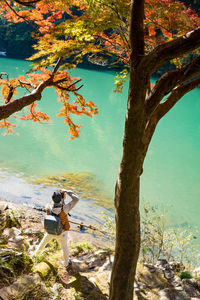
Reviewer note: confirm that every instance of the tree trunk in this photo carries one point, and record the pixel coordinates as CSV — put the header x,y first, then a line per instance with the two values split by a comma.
x,y
127,193
127,247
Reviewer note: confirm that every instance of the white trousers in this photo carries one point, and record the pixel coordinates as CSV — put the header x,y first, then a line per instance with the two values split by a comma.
x,y
61,239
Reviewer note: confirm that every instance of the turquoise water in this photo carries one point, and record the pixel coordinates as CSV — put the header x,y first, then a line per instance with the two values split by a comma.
x,y
171,173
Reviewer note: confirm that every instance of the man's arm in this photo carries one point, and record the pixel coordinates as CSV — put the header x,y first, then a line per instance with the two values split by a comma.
x,y
67,207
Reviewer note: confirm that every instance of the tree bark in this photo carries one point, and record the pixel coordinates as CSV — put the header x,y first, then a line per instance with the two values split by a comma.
x,y
127,191
127,242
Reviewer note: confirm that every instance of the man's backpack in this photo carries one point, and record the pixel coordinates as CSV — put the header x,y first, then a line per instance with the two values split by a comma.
x,y
52,224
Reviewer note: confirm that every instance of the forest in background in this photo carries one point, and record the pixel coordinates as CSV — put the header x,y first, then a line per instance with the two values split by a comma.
x,y
16,39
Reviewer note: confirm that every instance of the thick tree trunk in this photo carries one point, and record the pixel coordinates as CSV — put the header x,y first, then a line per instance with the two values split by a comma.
x,y
127,193
127,246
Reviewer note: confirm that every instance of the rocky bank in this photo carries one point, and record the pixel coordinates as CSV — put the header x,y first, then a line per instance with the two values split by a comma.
x,y
44,277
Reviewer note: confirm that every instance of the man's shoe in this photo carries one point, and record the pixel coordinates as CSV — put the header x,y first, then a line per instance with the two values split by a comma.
x,y
69,266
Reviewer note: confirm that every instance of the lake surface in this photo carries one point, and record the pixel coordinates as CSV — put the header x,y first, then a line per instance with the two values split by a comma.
x,y
37,152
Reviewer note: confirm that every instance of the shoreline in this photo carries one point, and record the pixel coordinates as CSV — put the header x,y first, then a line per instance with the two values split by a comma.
x,y
24,277
33,217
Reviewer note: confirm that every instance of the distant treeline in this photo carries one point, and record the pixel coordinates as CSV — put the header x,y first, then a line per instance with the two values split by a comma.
x,y
195,4
17,41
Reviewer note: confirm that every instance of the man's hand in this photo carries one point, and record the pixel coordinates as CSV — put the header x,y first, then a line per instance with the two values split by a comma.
x,y
69,192
62,190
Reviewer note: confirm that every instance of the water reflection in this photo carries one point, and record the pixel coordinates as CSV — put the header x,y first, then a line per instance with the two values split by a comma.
x,y
37,193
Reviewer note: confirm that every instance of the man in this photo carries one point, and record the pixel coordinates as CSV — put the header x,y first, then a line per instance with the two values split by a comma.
x,y
60,209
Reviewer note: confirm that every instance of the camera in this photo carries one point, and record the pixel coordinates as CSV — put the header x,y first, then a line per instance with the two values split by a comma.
x,y
62,194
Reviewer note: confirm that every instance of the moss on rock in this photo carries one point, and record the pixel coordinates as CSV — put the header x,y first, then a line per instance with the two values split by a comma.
x,y
43,269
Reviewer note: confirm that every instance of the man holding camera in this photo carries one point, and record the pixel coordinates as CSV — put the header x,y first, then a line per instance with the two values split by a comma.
x,y
60,209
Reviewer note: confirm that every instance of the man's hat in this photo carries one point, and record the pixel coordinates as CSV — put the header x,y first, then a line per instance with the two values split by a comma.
x,y
57,197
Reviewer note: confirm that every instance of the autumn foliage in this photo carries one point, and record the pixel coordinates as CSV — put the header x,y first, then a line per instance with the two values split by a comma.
x,y
70,30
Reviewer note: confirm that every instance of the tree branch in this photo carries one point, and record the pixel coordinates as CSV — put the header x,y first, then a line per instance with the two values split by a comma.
x,y
164,107
60,80
175,96
6,74
57,65
27,83
169,81
11,88
10,94
16,105
69,88
27,3
169,50
18,15
137,31
123,33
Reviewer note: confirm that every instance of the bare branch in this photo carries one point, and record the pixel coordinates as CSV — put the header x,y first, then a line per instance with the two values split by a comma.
x,y
70,88
57,65
71,85
6,74
10,94
27,83
60,80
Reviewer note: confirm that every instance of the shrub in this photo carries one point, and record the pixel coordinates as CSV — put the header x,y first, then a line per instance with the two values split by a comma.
x,y
185,275
82,247
158,239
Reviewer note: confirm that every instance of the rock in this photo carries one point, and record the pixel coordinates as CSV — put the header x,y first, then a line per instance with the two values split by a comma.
x,y
161,262
92,279
23,285
107,266
42,269
102,254
11,232
32,232
153,280
191,287
178,288
3,207
19,243
165,267
177,266
78,265
151,268
177,282
55,290
16,239
172,294
168,274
